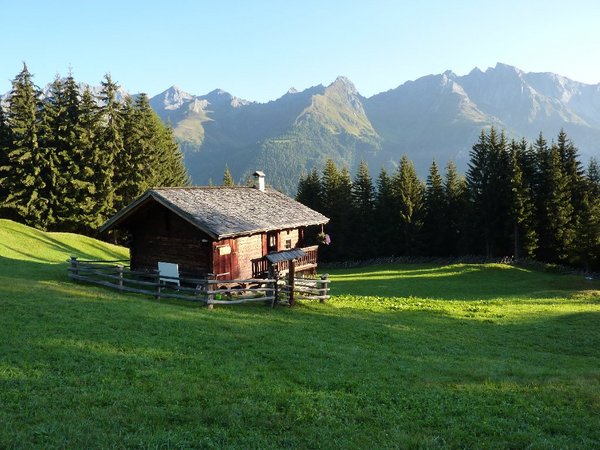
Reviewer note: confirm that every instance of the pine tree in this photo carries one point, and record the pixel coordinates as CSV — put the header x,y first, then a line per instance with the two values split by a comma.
x,y
92,206
522,206
455,194
435,221
488,180
227,178
330,189
557,229
309,190
115,162
587,251
29,170
385,205
409,194
5,145
362,231
593,177
169,168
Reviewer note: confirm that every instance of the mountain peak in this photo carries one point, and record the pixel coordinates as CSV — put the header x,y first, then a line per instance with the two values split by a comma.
x,y
174,97
344,84
506,68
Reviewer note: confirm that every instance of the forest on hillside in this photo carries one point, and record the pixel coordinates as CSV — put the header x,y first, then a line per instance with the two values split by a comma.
x,y
521,199
69,159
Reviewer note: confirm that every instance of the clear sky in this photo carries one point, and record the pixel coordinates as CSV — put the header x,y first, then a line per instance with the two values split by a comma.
x,y
258,49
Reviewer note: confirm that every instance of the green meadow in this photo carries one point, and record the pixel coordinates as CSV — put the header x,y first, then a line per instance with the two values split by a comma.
x,y
402,356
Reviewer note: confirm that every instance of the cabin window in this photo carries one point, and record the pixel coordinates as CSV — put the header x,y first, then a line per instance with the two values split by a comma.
x,y
272,241
288,244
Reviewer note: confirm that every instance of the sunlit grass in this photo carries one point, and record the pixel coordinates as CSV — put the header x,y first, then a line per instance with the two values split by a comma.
x,y
462,356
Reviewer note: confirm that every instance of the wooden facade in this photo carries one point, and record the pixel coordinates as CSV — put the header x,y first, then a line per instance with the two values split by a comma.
x,y
162,231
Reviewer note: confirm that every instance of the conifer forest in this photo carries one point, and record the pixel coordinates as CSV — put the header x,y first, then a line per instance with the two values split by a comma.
x,y
527,200
69,159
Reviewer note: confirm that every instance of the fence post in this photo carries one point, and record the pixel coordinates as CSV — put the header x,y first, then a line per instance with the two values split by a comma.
x,y
324,281
74,264
158,285
209,287
291,281
120,272
272,275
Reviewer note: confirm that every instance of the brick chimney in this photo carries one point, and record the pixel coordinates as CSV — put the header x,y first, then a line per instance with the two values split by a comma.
x,y
260,180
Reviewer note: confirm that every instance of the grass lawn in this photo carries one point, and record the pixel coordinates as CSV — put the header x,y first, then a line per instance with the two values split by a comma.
x,y
462,356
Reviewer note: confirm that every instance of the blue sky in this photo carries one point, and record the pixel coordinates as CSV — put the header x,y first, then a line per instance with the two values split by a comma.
x,y
258,49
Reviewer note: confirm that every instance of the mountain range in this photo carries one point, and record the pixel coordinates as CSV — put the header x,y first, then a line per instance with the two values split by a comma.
x,y
434,117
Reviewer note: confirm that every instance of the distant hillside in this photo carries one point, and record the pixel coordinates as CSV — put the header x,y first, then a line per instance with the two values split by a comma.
x,y
436,116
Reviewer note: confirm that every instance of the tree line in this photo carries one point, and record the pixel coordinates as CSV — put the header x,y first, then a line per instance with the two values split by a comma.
x,y
69,159
521,199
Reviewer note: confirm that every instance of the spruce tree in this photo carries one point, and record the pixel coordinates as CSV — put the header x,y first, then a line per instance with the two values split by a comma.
x,y
488,180
455,194
435,221
343,213
409,194
587,251
331,188
362,231
115,162
93,205
5,146
227,178
386,229
309,190
29,170
522,206
593,177
169,168
557,229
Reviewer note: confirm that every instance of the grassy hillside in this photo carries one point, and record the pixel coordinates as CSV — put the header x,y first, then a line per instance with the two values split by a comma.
x,y
402,356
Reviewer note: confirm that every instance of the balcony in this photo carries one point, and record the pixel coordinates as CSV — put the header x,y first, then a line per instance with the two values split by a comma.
x,y
307,263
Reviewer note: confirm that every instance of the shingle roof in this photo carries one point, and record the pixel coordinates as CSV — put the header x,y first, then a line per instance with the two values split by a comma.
x,y
227,211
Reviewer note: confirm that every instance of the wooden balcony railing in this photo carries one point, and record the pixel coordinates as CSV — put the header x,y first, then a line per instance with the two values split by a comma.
x,y
306,263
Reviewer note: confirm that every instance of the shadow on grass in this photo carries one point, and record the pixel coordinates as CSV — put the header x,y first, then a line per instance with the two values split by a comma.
x,y
456,282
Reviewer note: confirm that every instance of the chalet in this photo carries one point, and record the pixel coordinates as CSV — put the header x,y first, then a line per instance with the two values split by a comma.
x,y
229,232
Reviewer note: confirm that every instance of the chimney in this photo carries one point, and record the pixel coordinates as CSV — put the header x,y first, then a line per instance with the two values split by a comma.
x,y
260,180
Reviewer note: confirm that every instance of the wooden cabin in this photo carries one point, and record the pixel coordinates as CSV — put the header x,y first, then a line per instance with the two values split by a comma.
x,y
228,232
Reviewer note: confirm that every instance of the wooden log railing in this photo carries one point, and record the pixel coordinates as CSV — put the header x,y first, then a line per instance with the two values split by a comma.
x,y
118,276
307,288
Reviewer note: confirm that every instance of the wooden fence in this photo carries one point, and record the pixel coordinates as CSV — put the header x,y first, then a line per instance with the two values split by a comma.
x,y
272,291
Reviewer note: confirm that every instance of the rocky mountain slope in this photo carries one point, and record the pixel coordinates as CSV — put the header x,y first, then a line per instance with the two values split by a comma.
x,y
436,116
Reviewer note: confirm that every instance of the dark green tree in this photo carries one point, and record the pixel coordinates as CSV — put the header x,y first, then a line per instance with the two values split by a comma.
x,y
522,206
363,207
169,168
115,162
309,190
435,222
29,171
409,194
455,194
5,146
227,178
593,177
556,226
385,217
488,181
